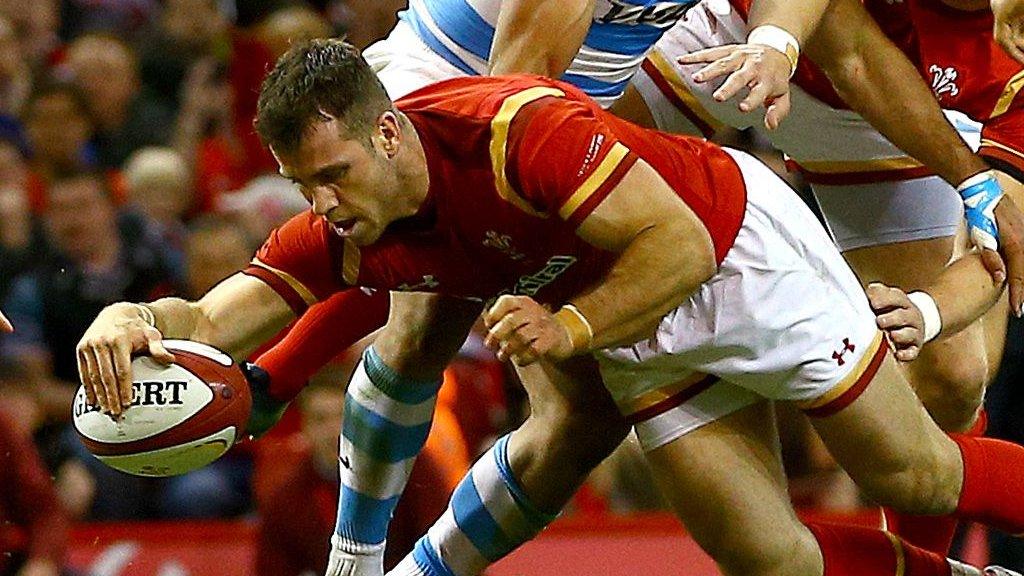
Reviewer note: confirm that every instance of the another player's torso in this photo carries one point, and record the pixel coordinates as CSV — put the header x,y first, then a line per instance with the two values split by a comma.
x,y
621,34
476,237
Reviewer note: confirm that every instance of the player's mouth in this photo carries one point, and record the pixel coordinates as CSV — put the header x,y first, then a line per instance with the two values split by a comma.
x,y
343,228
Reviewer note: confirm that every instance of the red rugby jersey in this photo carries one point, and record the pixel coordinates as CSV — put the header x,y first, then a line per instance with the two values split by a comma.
x,y
515,164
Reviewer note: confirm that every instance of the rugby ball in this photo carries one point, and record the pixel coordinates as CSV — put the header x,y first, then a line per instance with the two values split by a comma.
x,y
183,415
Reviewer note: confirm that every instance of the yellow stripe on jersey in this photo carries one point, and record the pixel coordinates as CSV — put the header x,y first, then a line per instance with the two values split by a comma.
x,y
630,406
499,142
901,555
853,166
300,288
850,380
1009,93
1003,147
682,91
611,161
350,262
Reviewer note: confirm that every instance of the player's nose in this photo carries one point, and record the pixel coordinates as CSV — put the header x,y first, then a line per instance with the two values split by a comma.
x,y
323,200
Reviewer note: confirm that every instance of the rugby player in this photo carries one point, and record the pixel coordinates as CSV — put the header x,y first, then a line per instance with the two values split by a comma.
x,y
475,187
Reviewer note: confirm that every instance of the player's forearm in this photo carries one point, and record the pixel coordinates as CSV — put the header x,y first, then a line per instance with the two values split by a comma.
x,y
877,80
539,36
963,293
656,273
799,19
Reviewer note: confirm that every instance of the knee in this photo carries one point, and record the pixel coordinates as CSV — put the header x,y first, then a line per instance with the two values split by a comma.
x,y
785,550
953,392
926,483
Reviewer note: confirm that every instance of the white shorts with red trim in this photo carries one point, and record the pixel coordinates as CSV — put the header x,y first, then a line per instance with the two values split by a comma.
x,y
784,318
405,64
869,190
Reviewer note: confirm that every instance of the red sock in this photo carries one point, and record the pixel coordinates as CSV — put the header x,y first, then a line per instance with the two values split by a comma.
x,y
322,333
859,551
934,533
993,490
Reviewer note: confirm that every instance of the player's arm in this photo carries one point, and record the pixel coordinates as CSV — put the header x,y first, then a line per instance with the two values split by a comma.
x,y
871,74
236,316
539,36
665,253
5,324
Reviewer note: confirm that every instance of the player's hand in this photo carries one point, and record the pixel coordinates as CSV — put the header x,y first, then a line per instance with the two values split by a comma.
x,y
1010,224
105,351
899,318
523,331
762,69
1009,27
5,324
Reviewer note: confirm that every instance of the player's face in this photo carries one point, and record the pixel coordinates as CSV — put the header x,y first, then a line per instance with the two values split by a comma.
x,y
353,183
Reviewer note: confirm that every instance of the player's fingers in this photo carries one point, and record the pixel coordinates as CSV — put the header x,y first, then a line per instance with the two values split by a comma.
x,y
105,363
502,306
95,381
908,354
905,337
504,329
718,68
994,264
882,297
777,111
895,318
707,54
758,96
155,347
83,376
736,81
122,354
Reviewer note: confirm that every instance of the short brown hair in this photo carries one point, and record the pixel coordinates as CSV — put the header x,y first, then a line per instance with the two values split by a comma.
x,y
315,80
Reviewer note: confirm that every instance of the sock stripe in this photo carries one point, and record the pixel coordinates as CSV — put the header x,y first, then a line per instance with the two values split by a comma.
x,y
380,480
381,438
428,560
499,501
362,518
532,513
476,522
453,548
375,400
396,386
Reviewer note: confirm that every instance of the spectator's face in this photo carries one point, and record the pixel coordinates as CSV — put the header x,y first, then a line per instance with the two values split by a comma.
x,y
164,201
322,409
79,218
58,129
213,255
105,71
195,24
13,169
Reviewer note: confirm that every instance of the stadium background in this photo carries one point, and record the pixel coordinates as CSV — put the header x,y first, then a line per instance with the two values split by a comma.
x,y
129,170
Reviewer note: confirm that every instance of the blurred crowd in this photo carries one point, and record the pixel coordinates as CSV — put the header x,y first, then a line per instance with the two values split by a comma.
x,y
130,170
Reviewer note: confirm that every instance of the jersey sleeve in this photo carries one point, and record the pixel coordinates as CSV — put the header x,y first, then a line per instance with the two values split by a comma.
x,y
1001,143
301,262
563,158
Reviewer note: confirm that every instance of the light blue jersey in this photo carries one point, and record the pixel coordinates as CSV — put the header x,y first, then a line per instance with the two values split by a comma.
x,y
461,31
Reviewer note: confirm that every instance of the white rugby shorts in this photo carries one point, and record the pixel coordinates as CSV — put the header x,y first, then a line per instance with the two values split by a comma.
x,y
869,191
405,64
784,318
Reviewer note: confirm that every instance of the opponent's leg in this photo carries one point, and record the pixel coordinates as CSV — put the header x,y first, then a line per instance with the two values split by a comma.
x,y
389,406
517,487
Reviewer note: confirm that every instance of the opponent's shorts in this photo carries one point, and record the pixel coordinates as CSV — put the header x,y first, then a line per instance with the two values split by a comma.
x,y
784,318
870,192
405,64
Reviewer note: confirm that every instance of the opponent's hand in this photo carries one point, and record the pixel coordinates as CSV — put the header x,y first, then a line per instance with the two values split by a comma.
x,y
987,211
762,69
1009,27
104,355
5,324
899,318
522,330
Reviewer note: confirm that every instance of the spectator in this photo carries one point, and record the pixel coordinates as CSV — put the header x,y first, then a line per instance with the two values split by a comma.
x,y
291,24
59,128
159,184
15,74
33,528
106,71
37,24
15,217
216,249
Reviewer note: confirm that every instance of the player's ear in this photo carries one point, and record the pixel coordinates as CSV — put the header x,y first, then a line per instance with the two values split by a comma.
x,y
389,133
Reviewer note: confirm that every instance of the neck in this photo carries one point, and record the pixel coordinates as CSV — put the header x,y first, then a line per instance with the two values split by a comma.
x,y
413,173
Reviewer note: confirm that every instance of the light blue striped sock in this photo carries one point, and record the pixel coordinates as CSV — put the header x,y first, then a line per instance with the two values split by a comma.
x,y
488,517
387,420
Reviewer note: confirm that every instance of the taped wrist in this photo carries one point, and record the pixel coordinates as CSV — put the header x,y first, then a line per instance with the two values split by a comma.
x,y
778,38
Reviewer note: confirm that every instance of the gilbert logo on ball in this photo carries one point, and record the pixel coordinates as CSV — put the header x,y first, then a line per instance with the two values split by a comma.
x,y
183,416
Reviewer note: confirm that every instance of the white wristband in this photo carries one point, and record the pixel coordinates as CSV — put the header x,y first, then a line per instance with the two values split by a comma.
x,y
932,320
775,37
147,314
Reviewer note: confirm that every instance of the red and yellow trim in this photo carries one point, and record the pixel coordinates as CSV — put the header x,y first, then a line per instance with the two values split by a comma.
x,y
1010,92
665,77
657,402
1001,152
597,178
499,142
852,172
287,286
899,552
853,385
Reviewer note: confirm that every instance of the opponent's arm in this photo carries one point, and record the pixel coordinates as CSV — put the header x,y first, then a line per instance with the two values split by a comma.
x,y
539,36
235,316
665,254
